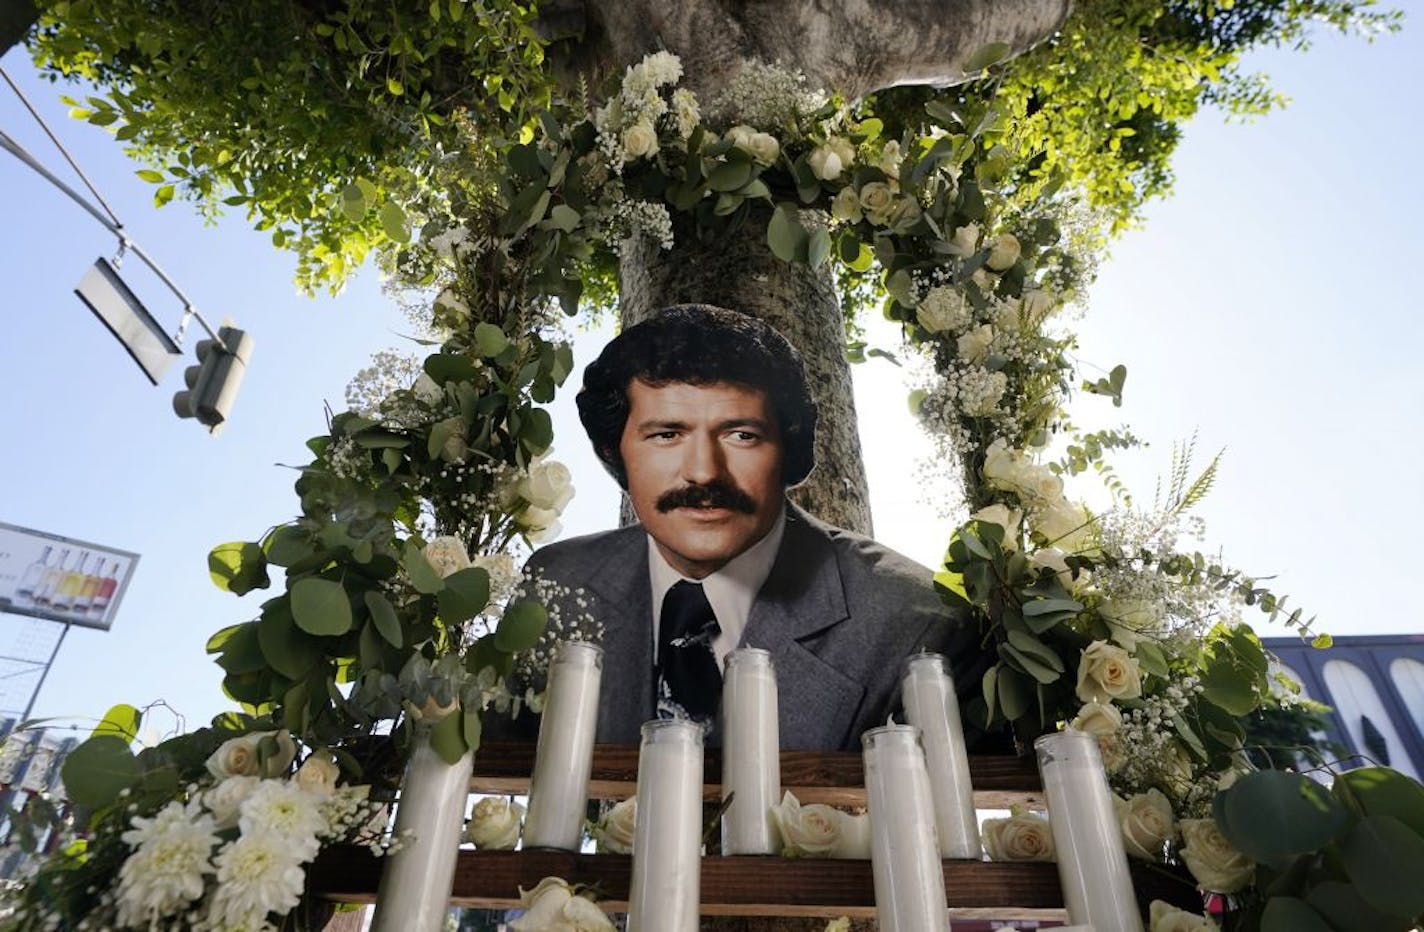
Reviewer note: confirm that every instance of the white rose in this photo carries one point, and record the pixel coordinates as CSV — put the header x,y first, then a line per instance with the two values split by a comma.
x,y
964,241
890,158
854,842
1004,253
614,831
828,161
740,136
876,199
762,147
494,824
446,555
1129,617
502,573
225,800
944,308
1147,824
1097,718
426,389
806,831
1107,672
845,206
1051,558
974,345
1004,517
1000,464
318,774
239,757
539,524
549,485
1021,837
1064,524
1164,917
1213,861
552,907
640,140
1102,720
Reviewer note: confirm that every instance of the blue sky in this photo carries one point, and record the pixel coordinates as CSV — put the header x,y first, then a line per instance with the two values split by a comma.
x,y
1268,305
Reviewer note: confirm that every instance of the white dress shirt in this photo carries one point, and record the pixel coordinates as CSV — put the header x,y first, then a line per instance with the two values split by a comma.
x,y
730,591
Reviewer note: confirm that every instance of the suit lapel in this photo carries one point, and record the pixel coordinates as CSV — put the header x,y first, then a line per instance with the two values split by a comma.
x,y
804,597
620,581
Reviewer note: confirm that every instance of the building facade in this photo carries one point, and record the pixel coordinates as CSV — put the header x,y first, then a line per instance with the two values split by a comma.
x,y
1374,685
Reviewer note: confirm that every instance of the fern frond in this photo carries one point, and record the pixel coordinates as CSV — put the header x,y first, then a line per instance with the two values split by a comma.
x,y
1201,485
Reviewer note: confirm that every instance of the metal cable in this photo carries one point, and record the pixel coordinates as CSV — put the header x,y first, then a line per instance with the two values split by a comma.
x,y
119,224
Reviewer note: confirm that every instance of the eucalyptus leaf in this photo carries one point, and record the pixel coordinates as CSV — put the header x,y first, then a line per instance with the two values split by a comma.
x,y
422,575
1273,816
121,721
393,222
238,567
286,648
490,340
1384,859
785,234
448,739
1383,791
320,606
465,595
521,627
383,616
1288,914
98,770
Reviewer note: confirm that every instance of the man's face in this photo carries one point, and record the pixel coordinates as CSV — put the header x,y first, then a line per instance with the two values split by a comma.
x,y
704,470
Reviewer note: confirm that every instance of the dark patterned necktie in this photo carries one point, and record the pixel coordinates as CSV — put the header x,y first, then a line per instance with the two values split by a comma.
x,y
688,678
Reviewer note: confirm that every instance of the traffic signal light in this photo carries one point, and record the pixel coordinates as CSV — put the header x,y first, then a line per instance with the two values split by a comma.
x,y
212,383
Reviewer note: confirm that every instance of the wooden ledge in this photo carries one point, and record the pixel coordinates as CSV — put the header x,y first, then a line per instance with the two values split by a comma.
x,y
741,886
814,776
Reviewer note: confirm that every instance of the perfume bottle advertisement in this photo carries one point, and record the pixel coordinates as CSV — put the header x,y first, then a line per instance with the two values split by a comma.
x,y
60,578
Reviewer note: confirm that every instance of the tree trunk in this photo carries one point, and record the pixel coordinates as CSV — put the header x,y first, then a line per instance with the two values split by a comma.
x,y
740,273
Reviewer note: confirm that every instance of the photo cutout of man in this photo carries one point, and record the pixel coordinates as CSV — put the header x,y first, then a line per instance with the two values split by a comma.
x,y
704,417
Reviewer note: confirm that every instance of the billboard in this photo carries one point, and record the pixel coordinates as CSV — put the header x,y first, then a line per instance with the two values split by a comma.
x,y
61,579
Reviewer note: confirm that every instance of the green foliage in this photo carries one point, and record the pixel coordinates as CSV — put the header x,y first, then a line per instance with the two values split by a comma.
x,y
329,115
1346,857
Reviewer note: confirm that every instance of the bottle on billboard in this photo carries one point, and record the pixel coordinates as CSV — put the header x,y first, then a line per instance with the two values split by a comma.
x,y
53,576
31,579
100,603
70,586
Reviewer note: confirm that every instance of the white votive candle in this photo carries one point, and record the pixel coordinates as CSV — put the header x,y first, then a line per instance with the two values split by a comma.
x,y
927,691
1092,865
904,855
751,754
558,788
667,839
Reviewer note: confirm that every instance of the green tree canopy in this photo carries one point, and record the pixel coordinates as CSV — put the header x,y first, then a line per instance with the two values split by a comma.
x,y
328,121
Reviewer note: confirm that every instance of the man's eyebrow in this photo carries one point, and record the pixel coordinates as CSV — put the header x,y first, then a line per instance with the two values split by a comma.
x,y
757,422
653,423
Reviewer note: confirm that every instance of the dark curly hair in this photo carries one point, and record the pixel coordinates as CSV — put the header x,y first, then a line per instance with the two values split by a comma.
x,y
699,344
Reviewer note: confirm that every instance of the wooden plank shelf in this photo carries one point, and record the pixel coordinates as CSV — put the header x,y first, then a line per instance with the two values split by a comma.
x,y
742,886
814,776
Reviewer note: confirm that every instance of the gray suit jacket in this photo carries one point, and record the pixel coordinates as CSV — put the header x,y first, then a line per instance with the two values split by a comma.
x,y
839,614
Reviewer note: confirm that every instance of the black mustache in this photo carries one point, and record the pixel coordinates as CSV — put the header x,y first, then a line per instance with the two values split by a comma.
x,y
710,495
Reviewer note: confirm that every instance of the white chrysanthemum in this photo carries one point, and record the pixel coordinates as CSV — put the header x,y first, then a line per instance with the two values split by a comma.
x,y
260,873
167,870
287,811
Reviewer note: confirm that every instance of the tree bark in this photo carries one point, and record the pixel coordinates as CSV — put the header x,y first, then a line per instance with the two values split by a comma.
x,y
854,47
740,273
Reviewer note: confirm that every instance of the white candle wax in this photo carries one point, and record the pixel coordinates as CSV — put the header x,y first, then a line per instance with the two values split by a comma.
x,y
904,854
751,754
932,706
558,788
667,839
1092,864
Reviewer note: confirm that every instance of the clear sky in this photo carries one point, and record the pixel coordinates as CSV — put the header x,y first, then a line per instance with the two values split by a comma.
x,y
1268,305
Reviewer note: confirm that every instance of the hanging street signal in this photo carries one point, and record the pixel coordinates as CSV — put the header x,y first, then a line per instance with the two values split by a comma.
x,y
213,383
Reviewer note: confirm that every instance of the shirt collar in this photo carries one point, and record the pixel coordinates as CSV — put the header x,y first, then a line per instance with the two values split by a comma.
x,y
730,590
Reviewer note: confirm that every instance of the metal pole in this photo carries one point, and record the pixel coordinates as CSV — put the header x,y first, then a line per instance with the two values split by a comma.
x,y
44,673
